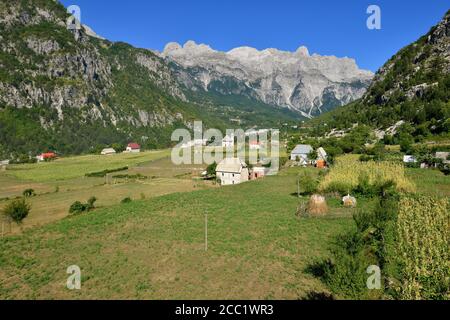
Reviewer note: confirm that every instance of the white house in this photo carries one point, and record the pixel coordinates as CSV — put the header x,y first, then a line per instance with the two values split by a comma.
x,y
108,151
133,148
4,162
232,171
322,154
301,152
228,141
409,159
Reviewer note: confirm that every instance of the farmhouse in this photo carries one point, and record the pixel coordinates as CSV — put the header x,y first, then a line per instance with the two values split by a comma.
x,y
108,151
46,156
301,153
133,148
232,171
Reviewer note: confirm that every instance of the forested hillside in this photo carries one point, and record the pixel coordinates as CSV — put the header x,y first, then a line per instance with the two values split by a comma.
x,y
71,92
412,87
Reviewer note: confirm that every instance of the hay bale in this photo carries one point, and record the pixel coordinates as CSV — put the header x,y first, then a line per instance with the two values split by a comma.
x,y
349,201
317,205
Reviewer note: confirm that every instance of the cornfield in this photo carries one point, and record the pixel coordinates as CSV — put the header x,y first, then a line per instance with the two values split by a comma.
x,y
422,239
348,170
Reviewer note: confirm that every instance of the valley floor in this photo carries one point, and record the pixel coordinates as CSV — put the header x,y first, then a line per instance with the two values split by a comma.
x,y
155,248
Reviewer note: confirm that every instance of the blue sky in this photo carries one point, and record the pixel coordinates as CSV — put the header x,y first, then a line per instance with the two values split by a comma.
x,y
326,27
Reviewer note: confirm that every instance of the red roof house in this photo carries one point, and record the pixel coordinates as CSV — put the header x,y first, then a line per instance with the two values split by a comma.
x,y
133,147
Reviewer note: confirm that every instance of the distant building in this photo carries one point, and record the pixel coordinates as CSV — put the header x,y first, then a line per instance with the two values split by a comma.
x,y
301,154
254,145
258,173
322,154
108,151
133,148
46,156
232,171
444,156
228,141
409,159
4,162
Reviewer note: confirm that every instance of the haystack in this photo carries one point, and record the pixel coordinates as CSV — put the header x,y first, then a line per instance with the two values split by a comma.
x,y
317,205
349,201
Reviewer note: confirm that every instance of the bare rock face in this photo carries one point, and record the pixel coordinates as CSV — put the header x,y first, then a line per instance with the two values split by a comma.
x,y
310,84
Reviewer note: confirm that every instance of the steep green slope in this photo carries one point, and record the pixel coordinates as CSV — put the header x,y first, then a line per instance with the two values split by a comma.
x,y
71,92
413,86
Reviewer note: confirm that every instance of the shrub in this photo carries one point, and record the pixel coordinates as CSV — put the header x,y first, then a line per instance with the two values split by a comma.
x,y
211,170
28,193
78,207
126,200
308,183
17,210
91,203
102,174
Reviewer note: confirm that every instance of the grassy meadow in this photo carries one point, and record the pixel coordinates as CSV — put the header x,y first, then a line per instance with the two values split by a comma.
x,y
69,183
154,247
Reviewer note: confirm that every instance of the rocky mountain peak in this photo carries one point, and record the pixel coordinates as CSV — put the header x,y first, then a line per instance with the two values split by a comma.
x,y
295,80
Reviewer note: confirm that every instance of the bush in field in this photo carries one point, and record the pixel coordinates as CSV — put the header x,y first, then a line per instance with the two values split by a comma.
x,y
308,183
126,200
421,252
91,203
78,207
28,193
17,210
348,173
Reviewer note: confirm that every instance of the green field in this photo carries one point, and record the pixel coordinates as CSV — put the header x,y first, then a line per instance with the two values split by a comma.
x,y
69,184
75,167
154,248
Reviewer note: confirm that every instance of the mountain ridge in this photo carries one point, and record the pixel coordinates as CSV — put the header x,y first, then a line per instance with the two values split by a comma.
x,y
309,84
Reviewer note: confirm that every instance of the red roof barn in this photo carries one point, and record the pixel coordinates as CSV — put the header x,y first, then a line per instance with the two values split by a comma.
x,y
133,147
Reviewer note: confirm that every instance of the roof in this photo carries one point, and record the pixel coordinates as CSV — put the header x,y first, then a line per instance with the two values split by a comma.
x,y
134,145
48,154
232,165
321,152
302,149
109,150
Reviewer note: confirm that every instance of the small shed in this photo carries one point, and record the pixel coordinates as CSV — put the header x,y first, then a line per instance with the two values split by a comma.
x,y
108,151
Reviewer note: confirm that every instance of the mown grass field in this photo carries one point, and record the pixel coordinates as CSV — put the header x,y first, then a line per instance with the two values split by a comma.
x,y
54,197
154,249
75,167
